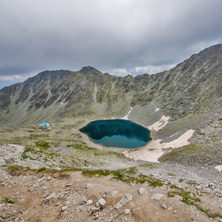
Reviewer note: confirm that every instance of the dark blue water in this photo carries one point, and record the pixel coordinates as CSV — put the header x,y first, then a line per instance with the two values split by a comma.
x,y
117,133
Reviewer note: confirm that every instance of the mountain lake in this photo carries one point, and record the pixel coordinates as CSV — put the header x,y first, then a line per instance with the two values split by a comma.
x,y
117,133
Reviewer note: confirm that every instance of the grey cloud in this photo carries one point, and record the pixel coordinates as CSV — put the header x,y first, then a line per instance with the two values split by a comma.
x,y
109,35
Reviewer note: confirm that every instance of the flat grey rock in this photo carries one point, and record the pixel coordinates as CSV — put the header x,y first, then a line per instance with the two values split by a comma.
x,y
157,196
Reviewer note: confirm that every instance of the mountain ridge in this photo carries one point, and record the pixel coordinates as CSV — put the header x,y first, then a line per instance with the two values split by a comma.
x,y
57,86
190,94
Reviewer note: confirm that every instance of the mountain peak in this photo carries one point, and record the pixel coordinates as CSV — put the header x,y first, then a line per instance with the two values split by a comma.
x,y
89,70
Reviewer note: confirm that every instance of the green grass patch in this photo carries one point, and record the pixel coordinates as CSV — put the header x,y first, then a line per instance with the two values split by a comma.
x,y
7,200
24,156
208,213
118,174
171,174
95,172
125,175
170,194
82,147
187,197
173,186
156,183
17,168
42,169
132,170
42,144
29,149
13,168
191,199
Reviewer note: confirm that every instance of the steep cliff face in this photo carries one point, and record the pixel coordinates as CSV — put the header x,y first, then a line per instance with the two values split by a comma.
x,y
192,87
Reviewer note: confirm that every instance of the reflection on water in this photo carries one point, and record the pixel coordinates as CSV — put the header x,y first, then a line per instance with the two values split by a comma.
x,y
117,133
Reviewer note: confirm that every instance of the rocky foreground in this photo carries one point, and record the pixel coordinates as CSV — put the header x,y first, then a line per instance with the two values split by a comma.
x,y
145,192
70,196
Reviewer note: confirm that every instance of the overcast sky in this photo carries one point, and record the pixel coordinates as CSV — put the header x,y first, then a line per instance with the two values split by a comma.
x,y
116,36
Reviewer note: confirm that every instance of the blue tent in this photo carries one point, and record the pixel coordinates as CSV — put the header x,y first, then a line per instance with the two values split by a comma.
x,y
46,124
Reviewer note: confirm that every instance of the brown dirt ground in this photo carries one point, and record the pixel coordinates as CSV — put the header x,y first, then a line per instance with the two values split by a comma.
x,y
31,194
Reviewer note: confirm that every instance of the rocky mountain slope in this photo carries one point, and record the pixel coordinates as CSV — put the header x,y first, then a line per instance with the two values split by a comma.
x,y
190,94
192,87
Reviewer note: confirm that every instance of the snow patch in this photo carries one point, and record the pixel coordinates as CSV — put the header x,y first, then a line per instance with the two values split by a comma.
x,y
155,149
159,124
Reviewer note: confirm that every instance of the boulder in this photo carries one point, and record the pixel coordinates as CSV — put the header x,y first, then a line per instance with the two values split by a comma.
x,y
102,202
82,202
64,208
127,211
164,206
141,190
